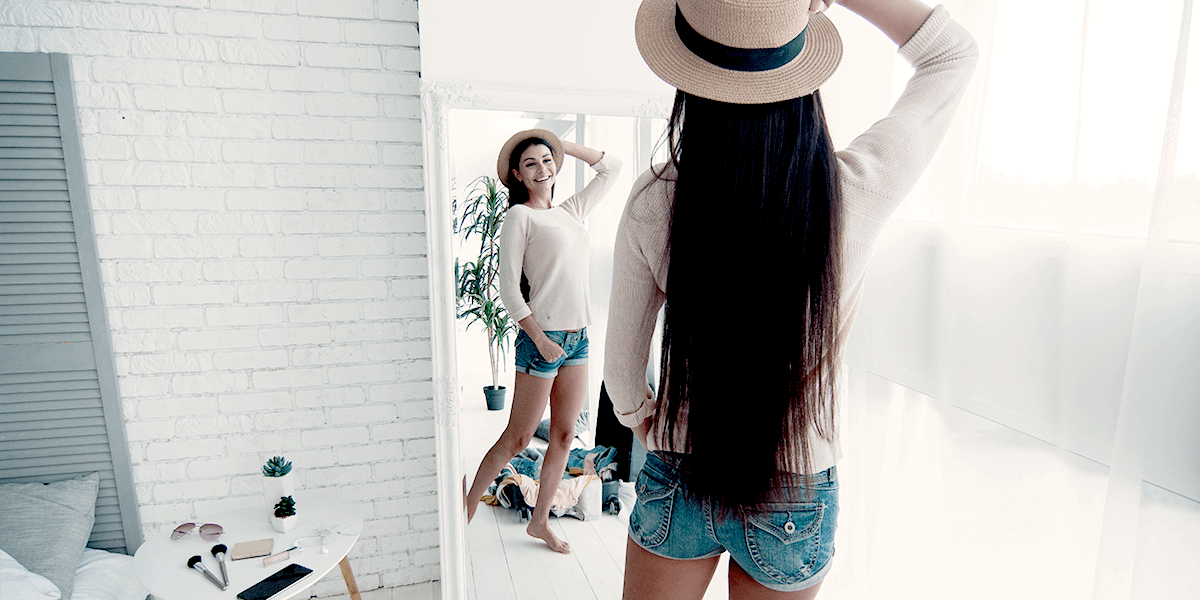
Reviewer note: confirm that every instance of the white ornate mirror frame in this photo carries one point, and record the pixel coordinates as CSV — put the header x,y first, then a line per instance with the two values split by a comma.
x,y
437,100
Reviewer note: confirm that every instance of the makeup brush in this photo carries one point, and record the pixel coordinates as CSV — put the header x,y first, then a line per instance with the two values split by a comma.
x,y
197,563
218,552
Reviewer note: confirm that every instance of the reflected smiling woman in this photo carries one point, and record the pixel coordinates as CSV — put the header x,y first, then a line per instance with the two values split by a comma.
x,y
756,235
544,286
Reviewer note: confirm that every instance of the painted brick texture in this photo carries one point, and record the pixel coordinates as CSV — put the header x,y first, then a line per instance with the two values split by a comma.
x,y
256,185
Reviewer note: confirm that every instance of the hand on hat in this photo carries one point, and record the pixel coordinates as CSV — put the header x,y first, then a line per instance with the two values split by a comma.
x,y
817,6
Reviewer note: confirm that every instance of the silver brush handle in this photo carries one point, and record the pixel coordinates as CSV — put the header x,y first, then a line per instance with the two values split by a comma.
x,y
221,556
209,574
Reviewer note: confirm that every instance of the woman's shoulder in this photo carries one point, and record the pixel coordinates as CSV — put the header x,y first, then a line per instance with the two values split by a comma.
x,y
652,194
517,215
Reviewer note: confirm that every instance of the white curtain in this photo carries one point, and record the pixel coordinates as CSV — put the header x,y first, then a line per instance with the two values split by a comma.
x,y
1025,370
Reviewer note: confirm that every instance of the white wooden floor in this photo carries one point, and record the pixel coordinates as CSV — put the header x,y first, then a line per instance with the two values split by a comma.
x,y
508,564
1002,508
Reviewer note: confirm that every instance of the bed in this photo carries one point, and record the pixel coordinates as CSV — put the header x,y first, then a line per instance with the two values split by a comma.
x,y
62,432
44,531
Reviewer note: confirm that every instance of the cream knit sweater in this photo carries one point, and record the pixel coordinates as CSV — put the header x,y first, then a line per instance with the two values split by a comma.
x,y
877,170
552,247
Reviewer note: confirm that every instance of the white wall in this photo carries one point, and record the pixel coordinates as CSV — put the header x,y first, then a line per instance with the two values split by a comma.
x,y
255,177
538,43
549,45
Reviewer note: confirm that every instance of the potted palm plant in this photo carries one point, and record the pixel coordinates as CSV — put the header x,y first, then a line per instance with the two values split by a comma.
x,y
477,293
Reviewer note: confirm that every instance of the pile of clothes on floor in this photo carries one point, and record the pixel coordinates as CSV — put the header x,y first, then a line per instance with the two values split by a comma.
x,y
581,494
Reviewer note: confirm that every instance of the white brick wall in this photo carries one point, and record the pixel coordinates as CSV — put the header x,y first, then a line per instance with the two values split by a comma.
x,y
255,173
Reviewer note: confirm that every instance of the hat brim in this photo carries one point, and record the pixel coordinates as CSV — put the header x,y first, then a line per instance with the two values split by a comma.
x,y
556,148
666,55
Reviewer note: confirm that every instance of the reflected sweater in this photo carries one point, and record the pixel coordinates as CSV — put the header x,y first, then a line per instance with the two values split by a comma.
x,y
877,170
552,247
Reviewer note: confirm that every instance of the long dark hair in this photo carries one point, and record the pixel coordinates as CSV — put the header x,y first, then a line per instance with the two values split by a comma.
x,y
518,193
749,347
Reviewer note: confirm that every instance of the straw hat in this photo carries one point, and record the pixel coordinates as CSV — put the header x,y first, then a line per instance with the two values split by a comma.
x,y
556,148
738,51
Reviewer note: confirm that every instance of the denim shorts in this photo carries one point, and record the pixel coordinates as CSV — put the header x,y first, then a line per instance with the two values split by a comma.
x,y
530,361
786,547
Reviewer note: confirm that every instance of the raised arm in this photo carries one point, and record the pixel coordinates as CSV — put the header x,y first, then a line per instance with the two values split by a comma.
x,y
886,161
587,155
897,19
607,168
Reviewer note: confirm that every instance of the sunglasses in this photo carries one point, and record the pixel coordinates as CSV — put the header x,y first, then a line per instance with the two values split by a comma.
x,y
209,532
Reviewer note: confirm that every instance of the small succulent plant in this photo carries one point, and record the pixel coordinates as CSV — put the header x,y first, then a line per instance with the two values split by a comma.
x,y
286,507
277,467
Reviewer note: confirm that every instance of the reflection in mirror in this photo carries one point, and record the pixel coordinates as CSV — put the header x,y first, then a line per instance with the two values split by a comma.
x,y
496,538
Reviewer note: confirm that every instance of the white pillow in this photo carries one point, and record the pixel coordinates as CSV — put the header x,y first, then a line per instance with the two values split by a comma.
x,y
106,576
46,526
17,582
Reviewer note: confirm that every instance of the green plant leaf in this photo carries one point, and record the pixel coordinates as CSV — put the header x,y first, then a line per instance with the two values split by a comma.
x,y
477,283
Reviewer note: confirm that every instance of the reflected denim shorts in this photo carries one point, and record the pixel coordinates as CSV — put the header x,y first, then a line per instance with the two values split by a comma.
x,y
530,361
786,547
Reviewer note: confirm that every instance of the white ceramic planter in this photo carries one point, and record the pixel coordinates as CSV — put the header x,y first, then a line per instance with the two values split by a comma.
x,y
275,488
285,524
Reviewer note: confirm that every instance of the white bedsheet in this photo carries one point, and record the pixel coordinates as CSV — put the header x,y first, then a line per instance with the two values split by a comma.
x,y
106,576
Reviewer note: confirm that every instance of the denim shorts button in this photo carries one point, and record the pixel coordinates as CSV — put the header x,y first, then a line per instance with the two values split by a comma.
x,y
789,527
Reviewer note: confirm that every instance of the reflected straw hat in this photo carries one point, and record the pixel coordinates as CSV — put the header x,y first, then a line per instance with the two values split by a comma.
x,y
556,148
738,51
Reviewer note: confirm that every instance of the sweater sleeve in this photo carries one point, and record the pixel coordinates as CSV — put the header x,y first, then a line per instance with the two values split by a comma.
x,y
632,316
887,160
513,235
582,203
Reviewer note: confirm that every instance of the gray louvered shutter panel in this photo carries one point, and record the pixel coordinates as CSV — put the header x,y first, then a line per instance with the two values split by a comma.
x,y
60,413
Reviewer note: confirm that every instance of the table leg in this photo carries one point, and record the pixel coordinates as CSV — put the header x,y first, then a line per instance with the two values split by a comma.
x,y
348,575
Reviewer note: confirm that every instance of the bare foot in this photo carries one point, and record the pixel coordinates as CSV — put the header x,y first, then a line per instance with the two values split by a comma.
x,y
471,512
543,533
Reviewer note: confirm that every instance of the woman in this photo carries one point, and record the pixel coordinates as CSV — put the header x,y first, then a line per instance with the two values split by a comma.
x,y
544,286
755,214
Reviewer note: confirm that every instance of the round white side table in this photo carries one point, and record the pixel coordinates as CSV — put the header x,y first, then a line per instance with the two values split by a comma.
x,y
161,563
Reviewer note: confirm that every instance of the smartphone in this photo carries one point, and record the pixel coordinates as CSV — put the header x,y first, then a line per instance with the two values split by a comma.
x,y
276,583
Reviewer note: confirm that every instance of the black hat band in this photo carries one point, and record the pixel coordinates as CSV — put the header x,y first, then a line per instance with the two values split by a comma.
x,y
736,59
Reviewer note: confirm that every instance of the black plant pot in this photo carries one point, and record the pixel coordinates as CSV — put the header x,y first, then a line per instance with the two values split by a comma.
x,y
495,397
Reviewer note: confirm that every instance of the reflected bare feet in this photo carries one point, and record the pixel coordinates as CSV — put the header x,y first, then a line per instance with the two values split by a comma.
x,y
542,532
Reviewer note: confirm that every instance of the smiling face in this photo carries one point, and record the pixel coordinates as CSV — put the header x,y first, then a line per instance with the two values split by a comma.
x,y
536,169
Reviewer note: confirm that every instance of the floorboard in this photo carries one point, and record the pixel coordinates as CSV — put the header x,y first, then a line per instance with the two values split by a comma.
x,y
566,573
600,569
489,562
530,577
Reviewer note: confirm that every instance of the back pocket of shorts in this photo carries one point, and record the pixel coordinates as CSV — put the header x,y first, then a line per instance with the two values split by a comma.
x,y
651,519
785,540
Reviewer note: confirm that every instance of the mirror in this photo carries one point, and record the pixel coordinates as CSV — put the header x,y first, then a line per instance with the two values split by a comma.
x,y
464,127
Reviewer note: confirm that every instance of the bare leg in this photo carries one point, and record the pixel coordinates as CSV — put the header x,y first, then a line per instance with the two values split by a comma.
x,y
744,587
530,394
566,400
653,577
